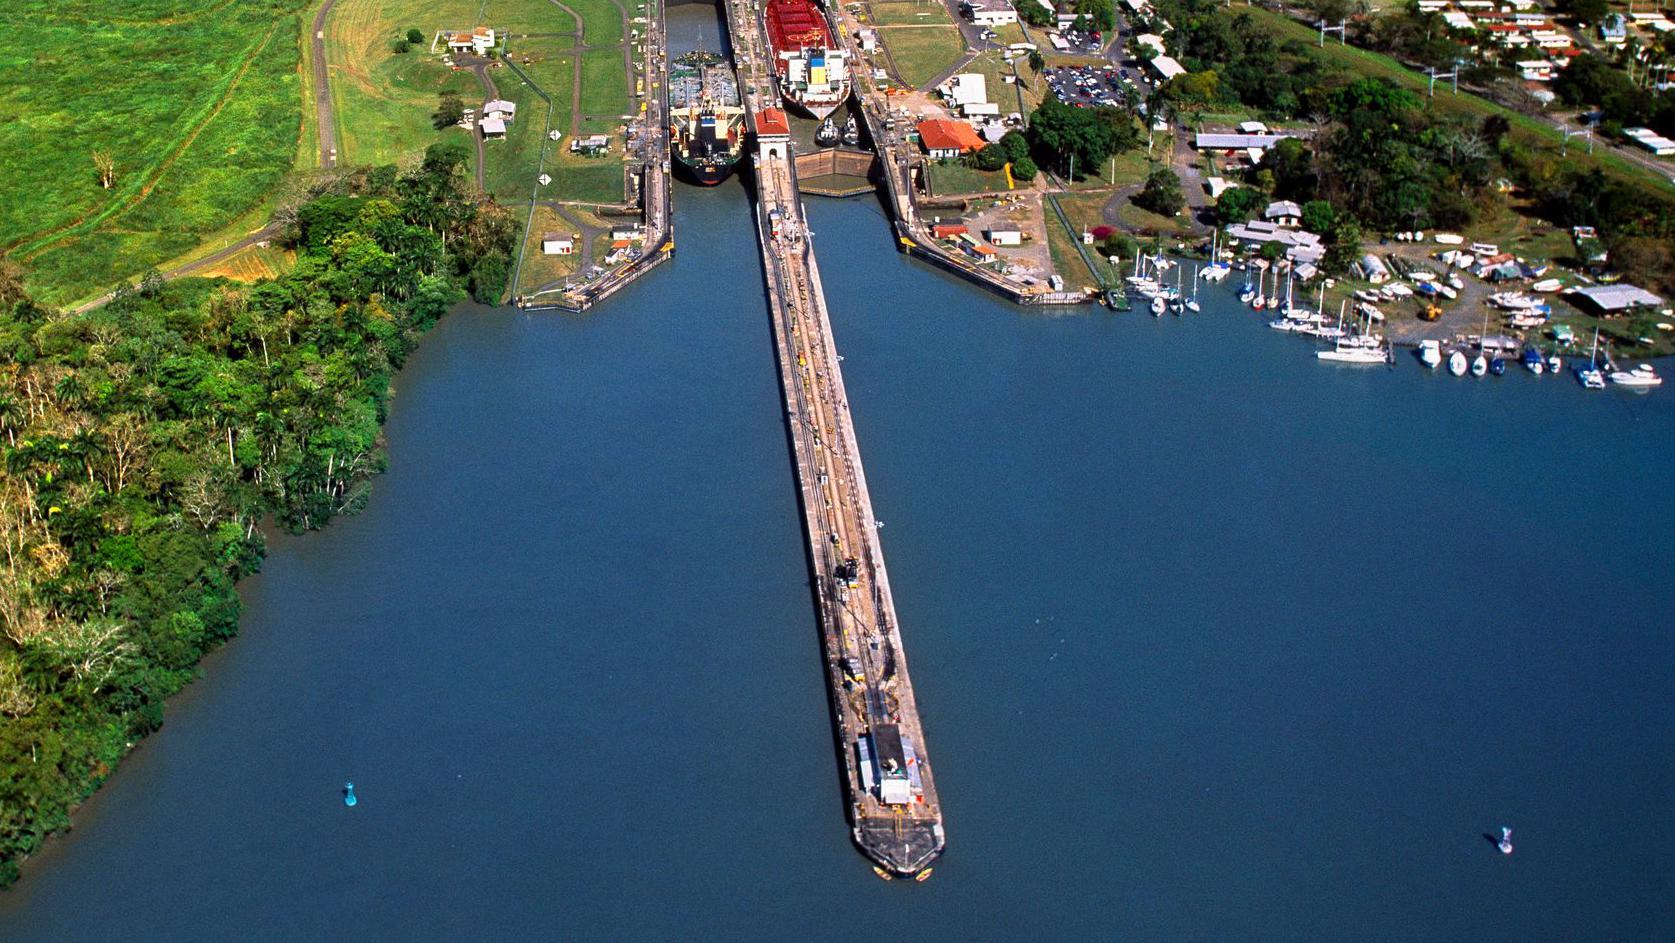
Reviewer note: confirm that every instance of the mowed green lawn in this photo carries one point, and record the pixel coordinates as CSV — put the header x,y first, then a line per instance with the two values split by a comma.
x,y
385,100
197,102
921,52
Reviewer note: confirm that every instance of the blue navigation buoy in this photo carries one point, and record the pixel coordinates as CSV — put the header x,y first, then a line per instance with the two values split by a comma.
x,y
349,794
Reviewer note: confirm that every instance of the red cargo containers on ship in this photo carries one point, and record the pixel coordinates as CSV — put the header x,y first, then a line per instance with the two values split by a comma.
x,y
813,75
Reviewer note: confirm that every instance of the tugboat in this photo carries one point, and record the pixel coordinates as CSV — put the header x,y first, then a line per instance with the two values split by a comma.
x,y
827,134
1505,844
852,137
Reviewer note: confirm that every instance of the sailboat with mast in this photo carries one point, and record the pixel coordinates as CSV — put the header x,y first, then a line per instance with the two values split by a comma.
x,y
1590,376
1192,303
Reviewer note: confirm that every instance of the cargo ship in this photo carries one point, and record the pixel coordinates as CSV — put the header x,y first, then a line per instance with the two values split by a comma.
x,y
813,72
706,117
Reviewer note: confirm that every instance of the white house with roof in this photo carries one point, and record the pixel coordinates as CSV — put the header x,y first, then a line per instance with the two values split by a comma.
x,y
500,108
966,88
480,41
1284,213
557,243
492,127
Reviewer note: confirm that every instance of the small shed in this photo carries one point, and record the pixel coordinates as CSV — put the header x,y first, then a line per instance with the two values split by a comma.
x,y
1005,237
554,243
1373,270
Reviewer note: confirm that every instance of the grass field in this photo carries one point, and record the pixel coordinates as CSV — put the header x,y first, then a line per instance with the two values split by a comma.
x,y
196,102
908,12
604,83
539,269
385,100
954,179
921,52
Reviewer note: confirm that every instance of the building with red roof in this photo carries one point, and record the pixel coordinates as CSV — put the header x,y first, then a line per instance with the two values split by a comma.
x,y
945,139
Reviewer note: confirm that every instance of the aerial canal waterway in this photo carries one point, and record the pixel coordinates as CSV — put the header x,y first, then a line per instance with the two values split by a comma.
x,y
1214,642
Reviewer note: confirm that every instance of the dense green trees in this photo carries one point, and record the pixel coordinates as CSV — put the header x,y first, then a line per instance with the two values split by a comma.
x,y
1162,192
145,440
1238,204
1060,134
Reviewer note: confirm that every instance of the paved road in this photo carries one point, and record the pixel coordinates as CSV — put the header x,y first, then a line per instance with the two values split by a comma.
x,y
215,258
325,120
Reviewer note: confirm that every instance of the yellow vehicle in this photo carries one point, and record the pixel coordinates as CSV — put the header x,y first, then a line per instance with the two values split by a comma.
x,y
1430,312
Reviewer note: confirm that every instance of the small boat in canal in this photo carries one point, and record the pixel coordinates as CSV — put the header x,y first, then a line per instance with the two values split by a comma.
x,y
1457,364
1430,353
1479,365
1534,362
1505,844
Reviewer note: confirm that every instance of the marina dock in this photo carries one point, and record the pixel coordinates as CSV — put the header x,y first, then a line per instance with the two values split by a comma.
x,y
891,795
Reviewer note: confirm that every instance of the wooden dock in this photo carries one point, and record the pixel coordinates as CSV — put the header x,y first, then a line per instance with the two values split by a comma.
x,y
892,800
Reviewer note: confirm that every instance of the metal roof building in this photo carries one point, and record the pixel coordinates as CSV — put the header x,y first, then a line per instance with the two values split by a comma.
x,y
1614,298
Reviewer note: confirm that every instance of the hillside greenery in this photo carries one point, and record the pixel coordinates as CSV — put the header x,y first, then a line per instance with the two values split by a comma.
x,y
144,441
136,131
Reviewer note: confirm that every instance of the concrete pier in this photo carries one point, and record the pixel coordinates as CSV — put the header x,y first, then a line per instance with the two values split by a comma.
x,y
893,807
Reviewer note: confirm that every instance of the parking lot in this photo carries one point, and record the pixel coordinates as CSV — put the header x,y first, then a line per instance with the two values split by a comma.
x,y
1089,86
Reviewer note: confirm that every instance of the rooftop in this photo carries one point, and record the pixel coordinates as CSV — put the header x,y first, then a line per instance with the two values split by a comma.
x,y
939,135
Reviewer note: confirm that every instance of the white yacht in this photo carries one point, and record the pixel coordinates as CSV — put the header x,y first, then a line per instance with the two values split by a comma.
x,y
1479,365
1641,377
1457,364
1430,353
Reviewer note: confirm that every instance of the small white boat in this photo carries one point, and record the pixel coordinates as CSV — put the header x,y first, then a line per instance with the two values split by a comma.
x,y
1430,353
1371,311
1455,283
1641,377
1457,364
1353,353
1446,292
1479,366
1554,364
1159,306
1547,285
1505,844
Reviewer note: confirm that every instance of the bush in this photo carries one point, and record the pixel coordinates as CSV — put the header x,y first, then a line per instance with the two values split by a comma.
x,y
415,37
399,46
450,110
1024,170
990,158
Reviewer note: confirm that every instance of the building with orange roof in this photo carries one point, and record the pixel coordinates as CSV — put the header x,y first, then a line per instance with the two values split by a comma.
x,y
948,139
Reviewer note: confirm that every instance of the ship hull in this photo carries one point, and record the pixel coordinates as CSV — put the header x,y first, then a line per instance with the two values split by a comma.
x,y
819,110
705,173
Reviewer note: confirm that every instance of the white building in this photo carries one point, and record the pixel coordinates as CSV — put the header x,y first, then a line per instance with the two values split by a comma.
x,y
967,88
1651,141
500,108
1283,213
1166,67
989,12
553,243
1005,237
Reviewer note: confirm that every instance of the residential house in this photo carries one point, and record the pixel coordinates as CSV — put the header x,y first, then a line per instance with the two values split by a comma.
x,y
1284,213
